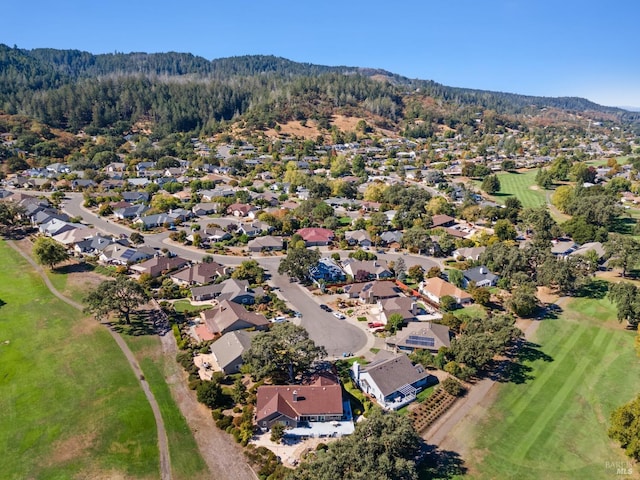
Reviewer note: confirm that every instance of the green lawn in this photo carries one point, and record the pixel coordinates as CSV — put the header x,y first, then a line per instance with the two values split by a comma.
x,y
70,405
521,185
473,311
184,306
554,424
186,461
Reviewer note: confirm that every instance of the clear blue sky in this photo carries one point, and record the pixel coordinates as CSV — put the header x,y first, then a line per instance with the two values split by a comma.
x,y
588,48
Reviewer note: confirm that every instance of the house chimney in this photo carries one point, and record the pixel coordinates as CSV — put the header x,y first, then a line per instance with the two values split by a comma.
x,y
295,395
483,270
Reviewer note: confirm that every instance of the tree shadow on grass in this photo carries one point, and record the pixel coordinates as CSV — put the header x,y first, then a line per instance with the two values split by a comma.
x,y
76,267
596,289
514,368
551,311
530,352
623,225
440,464
509,371
2,303
143,322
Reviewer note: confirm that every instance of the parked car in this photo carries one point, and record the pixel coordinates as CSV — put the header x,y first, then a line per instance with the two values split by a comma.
x,y
326,308
339,316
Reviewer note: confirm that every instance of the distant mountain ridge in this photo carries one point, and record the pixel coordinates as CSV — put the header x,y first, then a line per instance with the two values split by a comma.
x,y
238,83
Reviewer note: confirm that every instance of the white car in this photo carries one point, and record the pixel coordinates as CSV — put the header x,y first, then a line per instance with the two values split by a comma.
x,y
339,316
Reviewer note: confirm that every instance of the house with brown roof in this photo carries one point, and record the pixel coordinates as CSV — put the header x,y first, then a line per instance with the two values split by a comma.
x,y
229,316
265,244
377,269
420,336
200,273
442,221
371,292
293,405
156,266
435,288
242,210
400,305
391,379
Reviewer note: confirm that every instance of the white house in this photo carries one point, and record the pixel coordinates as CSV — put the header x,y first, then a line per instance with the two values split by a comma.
x,y
391,379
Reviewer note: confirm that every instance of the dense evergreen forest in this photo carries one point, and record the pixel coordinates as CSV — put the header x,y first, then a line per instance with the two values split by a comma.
x,y
74,90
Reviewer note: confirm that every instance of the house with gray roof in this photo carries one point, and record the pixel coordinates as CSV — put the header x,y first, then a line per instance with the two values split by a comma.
x,y
134,211
116,254
472,253
327,270
586,247
481,276
135,197
265,244
358,237
391,379
394,236
93,245
227,350
55,227
200,273
237,291
420,336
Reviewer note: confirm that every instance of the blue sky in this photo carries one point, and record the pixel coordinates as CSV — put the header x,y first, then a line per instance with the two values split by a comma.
x,y
588,48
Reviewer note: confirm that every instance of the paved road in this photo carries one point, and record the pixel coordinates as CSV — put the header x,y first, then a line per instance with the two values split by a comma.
x,y
163,445
337,336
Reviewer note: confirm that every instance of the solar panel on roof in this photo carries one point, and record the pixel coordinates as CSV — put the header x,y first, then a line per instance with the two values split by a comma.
x,y
420,341
128,254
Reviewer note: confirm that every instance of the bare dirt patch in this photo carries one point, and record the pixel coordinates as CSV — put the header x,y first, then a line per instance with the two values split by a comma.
x,y
295,128
534,187
615,277
546,295
82,281
72,448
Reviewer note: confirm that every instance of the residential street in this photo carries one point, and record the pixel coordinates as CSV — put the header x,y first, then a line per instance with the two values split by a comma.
x,y
337,336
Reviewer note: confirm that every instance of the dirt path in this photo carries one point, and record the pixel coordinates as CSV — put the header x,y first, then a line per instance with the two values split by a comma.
x,y
224,458
163,444
554,210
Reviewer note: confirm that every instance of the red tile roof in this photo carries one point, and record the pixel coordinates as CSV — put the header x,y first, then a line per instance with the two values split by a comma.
x,y
322,397
316,234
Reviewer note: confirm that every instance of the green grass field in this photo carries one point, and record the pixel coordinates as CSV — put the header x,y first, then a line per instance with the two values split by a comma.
x,y
554,425
186,461
520,185
70,405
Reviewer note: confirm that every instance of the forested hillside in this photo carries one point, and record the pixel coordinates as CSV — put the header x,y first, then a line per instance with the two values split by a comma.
x,y
73,90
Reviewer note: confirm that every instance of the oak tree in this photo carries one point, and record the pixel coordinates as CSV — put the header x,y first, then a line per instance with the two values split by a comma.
x,y
121,296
